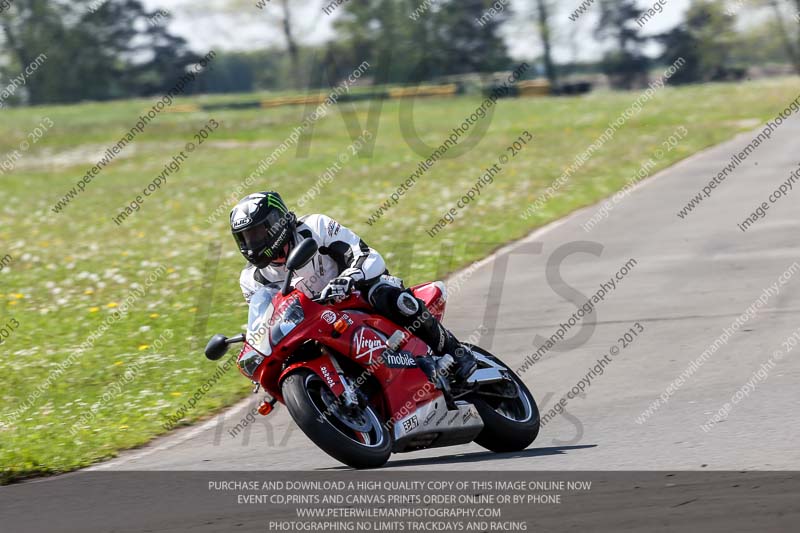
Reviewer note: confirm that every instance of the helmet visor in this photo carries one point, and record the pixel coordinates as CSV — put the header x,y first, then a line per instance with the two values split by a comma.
x,y
265,243
255,238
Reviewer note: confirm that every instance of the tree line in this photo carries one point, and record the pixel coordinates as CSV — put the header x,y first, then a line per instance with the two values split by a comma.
x,y
108,49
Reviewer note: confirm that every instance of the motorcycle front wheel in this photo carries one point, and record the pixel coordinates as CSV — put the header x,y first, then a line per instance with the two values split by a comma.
x,y
355,436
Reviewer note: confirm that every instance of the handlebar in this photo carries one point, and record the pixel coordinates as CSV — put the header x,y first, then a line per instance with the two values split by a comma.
x,y
325,301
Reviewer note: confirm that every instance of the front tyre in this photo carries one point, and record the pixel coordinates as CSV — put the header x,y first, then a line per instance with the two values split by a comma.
x,y
355,437
509,412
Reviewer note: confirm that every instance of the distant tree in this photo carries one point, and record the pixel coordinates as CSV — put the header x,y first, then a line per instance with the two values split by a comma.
x,y
758,45
110,52
680,43
30,28
469,38
291,41
626,65
705,40
544,26
149,58
790,35
282,16
380,32
365,32
451,37
234,72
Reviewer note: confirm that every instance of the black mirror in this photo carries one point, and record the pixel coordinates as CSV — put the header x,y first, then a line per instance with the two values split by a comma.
x,y
217,347
301,254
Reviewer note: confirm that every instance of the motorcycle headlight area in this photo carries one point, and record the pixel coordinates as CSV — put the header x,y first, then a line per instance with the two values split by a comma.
x,y
285,320
249,362
258,336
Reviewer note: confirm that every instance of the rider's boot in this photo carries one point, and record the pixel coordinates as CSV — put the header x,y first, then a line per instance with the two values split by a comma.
x,y
465,362
442,342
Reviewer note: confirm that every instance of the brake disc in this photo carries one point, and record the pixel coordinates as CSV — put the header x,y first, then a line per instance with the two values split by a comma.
x,y
354,418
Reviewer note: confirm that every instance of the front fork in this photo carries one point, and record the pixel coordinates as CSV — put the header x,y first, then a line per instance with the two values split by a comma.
x,y
349,396
330,371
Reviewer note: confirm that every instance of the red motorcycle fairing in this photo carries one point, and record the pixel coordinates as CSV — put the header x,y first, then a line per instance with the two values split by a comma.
x,y
403,384
324,367
362,339
434,295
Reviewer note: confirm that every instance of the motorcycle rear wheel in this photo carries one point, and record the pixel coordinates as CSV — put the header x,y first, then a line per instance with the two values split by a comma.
x,y
357,438
510,425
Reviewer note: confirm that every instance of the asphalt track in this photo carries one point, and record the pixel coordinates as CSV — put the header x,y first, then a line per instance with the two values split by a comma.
x,y
692,278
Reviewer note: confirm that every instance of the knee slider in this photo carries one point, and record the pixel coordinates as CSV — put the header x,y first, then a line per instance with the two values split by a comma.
x,y
407,304
383,288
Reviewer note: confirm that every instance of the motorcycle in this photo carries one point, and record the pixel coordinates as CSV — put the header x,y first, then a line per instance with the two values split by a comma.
x,y
361,387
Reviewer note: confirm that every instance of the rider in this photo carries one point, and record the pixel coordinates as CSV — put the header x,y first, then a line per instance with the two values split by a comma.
x,y
266,231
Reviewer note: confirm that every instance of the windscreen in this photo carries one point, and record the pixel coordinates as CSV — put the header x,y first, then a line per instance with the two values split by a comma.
x,y
258,325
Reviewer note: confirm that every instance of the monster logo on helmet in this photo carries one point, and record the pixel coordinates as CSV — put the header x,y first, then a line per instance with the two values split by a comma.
x,y
262,226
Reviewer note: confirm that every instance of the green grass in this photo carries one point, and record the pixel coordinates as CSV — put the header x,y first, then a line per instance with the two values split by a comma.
x,y
69,270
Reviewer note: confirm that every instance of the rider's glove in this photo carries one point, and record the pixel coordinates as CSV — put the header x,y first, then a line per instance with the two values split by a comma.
x,y
337,289
340,288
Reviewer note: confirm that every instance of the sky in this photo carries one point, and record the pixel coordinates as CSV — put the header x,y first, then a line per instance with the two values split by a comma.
x,y
240,25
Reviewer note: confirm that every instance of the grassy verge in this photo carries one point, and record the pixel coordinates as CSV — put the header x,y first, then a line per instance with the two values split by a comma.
x,y
69,273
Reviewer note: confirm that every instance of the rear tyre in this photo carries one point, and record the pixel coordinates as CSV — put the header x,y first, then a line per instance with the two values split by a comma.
x,y
355,438
511,424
